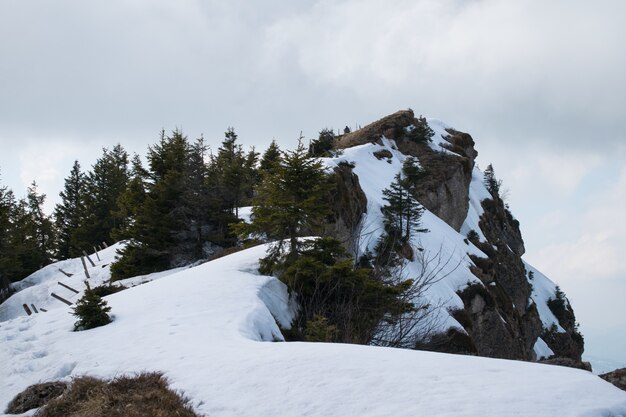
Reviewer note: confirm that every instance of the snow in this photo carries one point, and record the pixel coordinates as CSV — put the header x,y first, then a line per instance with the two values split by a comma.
x,y
203,328
37,287
478,192
543,291
245,213
542,350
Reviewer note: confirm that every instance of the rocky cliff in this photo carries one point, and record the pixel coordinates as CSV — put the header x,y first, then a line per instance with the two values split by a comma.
x,y
496,311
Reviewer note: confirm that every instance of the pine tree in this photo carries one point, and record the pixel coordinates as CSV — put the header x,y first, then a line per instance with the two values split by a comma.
x,y
68,214
270,159
401,215
321,146
421,132
41,228
236,172
292,201
159,227
91,310
7,254
130,202
491,182
104,185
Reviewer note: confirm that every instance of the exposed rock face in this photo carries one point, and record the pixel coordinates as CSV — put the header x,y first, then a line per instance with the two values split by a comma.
x,y
445,189
499,316
495,328
349,204
570,363
387,126
617,378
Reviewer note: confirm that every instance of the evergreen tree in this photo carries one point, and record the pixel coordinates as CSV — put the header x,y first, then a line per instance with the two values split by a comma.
x,y
421,132
68,213
197,198
491,182
7,258
104,185
130,202
28,238
40,228
337,302
402,213
270,159
160,229
292,201
235,173
321,146
91,310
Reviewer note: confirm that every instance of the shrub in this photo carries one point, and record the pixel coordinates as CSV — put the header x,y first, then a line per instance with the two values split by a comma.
x,y
318,330
557,305
35,396
336,297
104,290
91,310
473,236
146,394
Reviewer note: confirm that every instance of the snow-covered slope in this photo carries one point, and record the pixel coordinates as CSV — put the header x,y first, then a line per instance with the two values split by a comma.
x,y
204,328
36,289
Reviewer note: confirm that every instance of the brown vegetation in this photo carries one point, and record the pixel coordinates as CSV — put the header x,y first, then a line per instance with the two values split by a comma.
x,y
146,394
372,132
35,396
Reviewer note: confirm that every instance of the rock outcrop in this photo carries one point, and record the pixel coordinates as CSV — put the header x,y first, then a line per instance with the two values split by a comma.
x,y
499,316
348,205
617,378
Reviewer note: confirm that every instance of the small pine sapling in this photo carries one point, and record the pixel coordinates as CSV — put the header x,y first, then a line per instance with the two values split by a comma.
x,y
91,310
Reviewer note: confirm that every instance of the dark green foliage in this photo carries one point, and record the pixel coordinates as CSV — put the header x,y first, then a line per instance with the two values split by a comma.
x,y
91,310
402,213
161,213
270,159
341,303
322,146
473,236
179,209
104,290
491,182
292,201
129,203
421,132
68,214
27,235
318,330
235,173
558,305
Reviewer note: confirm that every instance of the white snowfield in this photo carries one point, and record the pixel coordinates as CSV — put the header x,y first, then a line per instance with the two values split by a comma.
x,y
204,328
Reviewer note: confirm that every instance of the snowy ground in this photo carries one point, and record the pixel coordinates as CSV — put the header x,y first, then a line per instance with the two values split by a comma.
x,y
204,328
35,289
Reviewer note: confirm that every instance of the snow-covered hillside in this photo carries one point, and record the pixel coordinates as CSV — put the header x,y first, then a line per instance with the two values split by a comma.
x,y
205,328
36,289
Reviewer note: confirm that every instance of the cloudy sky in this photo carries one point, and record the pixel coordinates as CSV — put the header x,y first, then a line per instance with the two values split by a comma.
x,y
540,86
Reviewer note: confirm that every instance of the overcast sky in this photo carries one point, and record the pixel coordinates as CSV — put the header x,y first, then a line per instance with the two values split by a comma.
x,y
539,85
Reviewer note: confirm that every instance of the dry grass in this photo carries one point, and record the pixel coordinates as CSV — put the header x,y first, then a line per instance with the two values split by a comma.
x,y
144,395
35,396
